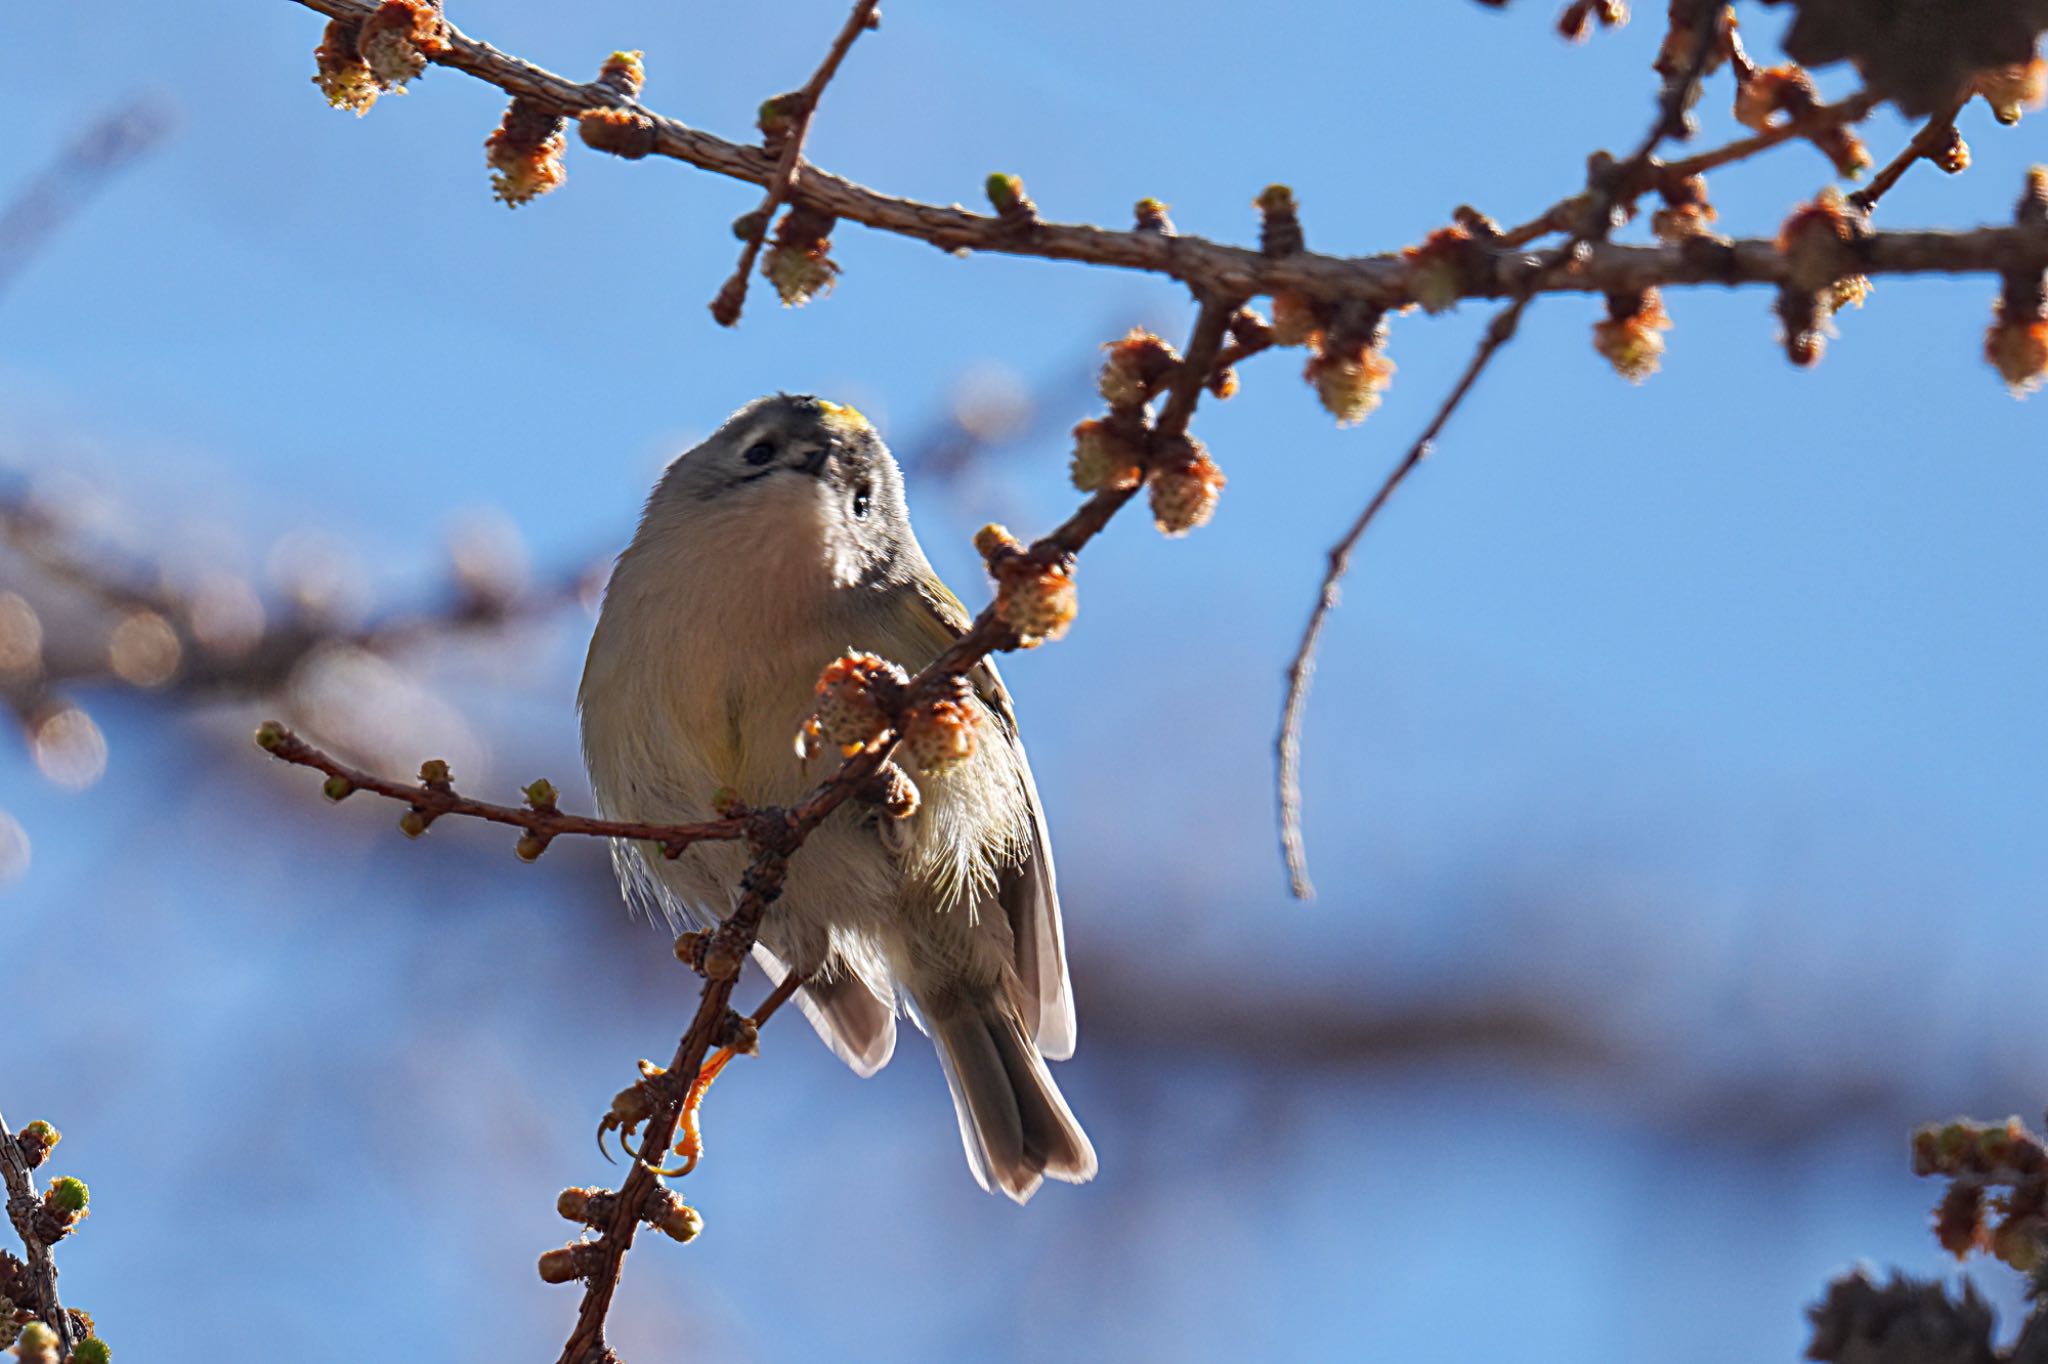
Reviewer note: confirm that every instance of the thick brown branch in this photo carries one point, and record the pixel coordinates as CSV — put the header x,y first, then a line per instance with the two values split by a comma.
x,y
1211,267
21,1209
726,307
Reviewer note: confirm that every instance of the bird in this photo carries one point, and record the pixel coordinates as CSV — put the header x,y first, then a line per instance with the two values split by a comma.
x,y
781,543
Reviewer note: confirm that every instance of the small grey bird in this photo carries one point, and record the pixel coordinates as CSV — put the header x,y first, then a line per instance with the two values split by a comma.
x,y
768,551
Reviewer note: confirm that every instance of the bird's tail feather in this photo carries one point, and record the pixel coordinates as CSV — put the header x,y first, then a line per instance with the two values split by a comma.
x,y
1013,1121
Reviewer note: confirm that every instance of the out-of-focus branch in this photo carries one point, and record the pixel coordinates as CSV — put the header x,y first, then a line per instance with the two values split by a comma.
x,y
74,616
48,201
1211,267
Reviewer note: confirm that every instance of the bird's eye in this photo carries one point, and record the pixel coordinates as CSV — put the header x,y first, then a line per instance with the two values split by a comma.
x,y
860,502
760,452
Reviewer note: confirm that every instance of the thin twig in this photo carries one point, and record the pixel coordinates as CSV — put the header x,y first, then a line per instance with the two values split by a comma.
x,y
1560,215
1208,266
22,1203
1593,224
437,800
733,296
1853,109
1933,135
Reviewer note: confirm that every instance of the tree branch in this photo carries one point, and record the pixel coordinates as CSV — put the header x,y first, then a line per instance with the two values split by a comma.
x,y
1213,268
22,1207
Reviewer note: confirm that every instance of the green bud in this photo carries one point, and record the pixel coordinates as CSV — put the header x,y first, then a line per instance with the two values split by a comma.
x,y
530,847
91,1350
337,788
434,771
412,823
541,794
1004,190
69,1194
1275,199
35,1338
41,1131
270,736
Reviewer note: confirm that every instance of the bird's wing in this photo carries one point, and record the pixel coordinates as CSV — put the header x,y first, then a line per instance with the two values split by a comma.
x,y
1027,891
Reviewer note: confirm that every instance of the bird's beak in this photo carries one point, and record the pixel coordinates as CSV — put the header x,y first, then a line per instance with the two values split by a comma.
x,y
815,461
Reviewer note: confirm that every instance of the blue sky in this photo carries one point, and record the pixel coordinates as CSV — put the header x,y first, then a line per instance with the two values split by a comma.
x,y
1709,706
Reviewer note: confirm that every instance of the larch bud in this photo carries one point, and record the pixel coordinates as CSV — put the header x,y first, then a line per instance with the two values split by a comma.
x,y
857,696
1630,336
1185,486
1105,457
939,735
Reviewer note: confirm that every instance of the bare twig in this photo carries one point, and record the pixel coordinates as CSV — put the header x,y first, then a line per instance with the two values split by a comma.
x,y
1211,267
1932,137
436,798
733,296
22,1204
1853,109
1560,216
1606,189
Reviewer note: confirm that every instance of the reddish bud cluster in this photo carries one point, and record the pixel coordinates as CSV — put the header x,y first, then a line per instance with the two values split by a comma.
x,y
939,734
799,262
398,39
1185,485
525,154
624,133
1349,370
1109,453
1953,155
1443,268
1034,598
1822,243
2017,343
857,698
1630,336
1138,367
1976,1155
357,60
1785,96
1776,90
1577,20
340,71
1686,213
